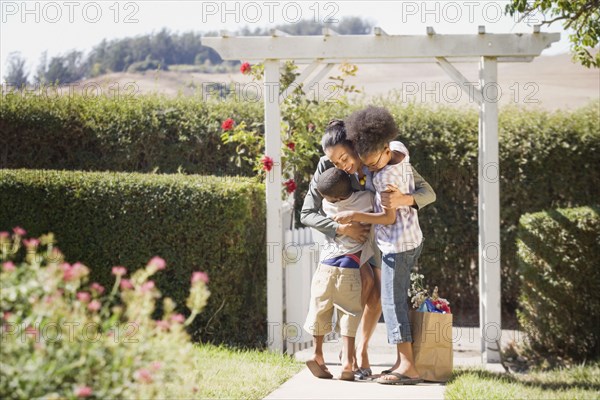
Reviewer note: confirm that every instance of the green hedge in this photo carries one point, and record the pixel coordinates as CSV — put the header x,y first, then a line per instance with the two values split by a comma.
x,y
559,269
120,133
547,160
203,223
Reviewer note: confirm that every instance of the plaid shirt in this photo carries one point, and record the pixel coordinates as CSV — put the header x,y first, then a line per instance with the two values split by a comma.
x,y
405,234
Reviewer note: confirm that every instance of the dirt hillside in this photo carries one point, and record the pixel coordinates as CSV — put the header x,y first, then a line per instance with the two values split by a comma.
x,y
550,82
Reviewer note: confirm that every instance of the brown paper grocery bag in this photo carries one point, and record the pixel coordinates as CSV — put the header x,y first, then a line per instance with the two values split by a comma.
x,y
432,344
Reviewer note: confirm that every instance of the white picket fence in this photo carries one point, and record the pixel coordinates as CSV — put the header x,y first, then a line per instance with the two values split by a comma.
x,y
300,259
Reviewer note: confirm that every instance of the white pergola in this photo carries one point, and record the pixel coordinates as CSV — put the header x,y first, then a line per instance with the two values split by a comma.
x,y
321,53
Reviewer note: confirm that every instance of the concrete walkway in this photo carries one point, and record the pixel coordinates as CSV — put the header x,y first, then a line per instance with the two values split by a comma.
x,y
382,355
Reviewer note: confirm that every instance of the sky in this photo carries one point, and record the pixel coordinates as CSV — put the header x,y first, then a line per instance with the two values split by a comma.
x,y
31,27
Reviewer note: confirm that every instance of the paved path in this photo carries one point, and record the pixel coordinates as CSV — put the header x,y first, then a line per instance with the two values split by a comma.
x,y
305,386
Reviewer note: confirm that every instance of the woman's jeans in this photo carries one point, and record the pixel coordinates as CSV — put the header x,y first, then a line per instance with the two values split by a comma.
x,y
395,282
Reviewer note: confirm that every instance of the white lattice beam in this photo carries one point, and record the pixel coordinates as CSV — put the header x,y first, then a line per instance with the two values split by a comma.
x,y
340,48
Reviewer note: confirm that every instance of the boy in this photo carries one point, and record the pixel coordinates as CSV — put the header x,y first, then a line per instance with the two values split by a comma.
x,y
336,284
397,231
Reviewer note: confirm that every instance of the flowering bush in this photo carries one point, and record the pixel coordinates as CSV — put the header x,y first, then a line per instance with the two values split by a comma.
x,y
65,338
422,301
301,116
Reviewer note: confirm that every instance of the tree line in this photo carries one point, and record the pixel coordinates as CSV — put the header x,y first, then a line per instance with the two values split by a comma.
x,y
149,52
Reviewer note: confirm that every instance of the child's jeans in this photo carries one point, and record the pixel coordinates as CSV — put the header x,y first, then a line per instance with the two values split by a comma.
x,y
395,282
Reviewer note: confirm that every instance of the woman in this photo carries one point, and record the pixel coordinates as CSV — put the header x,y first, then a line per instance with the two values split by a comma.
x,y
340,154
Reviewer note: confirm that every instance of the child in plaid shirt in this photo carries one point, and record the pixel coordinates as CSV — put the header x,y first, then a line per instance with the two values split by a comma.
x,y
397,231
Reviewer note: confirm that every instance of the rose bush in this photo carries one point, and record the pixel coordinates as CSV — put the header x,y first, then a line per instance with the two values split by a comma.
x,y
65,338
304,114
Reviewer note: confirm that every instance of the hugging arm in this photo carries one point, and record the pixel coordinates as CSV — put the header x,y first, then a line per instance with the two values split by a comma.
x,y
386,217
311,209
422,196
311,214
424,193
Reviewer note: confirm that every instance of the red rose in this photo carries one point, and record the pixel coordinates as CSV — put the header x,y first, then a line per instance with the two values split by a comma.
x,y
227,125
290,185
267,163
291,146
245,68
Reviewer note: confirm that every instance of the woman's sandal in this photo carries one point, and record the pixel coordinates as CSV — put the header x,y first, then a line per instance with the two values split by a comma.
x,y
320,371
398,379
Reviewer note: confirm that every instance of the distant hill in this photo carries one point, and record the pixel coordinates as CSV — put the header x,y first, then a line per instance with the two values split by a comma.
x,y
550,82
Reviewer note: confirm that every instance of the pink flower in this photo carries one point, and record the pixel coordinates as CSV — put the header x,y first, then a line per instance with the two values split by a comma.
x,y
96,287
19,231
84,297
179,318
147,286
31,243
94,305
245,68
68,272
199,276
6,315
155,365
291,146
8,266
126,284
290,185
162,324
267,163
158,262
83,391
119,271
143,375
30,330
73,272
3,235
227,125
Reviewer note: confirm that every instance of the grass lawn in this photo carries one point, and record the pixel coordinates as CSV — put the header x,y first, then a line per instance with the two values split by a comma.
x,y
580,382
242,374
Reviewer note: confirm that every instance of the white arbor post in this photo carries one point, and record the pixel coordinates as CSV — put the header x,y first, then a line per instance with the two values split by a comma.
x,y
489,212
274,207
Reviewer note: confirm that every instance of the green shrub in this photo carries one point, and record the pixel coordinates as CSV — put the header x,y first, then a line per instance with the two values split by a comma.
x,y
547,160
193,222
119,132
148,64
63,338
560,282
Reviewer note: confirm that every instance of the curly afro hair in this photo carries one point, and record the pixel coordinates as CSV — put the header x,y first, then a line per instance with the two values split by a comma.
x,y
370,129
